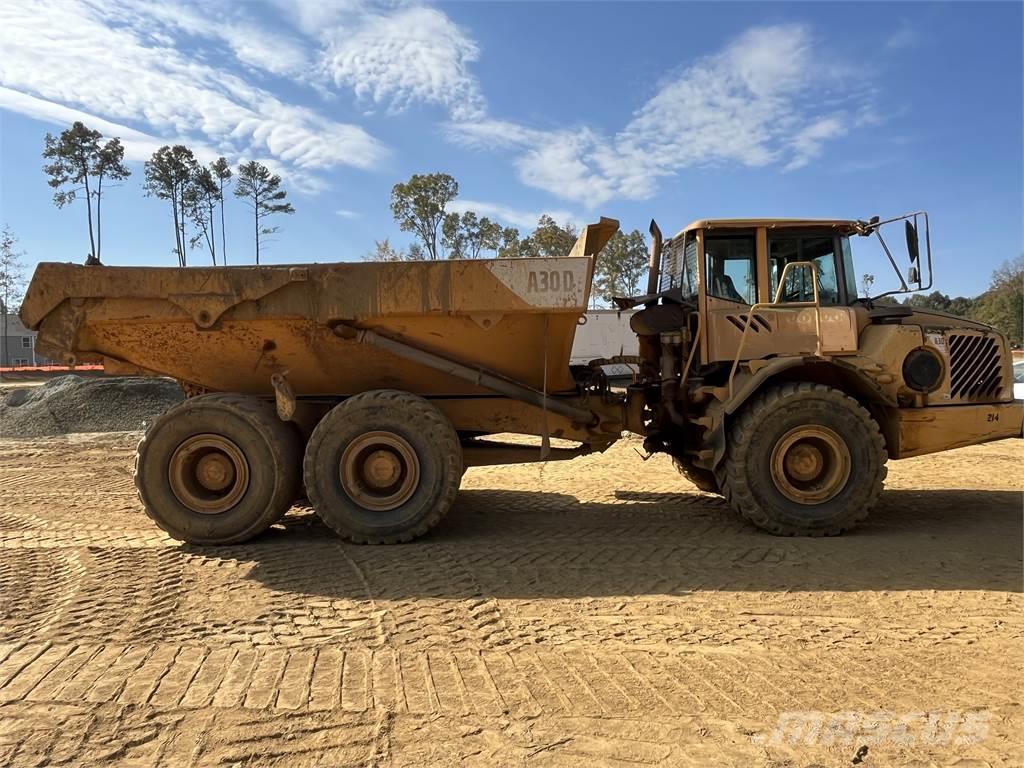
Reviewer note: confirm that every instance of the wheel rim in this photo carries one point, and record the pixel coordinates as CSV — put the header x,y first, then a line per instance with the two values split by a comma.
x,y
208,474
379,471
810,464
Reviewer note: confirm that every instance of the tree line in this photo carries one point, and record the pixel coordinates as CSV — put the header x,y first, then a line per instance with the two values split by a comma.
x,y
79,162
1001,306
82,165
421,206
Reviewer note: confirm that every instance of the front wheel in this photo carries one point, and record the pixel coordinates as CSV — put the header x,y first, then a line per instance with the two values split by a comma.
x,y
803,460
383,467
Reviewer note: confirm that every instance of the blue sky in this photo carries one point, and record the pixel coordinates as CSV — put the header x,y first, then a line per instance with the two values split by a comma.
x,y
632,110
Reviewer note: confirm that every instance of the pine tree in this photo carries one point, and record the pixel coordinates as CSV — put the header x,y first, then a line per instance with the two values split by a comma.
x,y
262,192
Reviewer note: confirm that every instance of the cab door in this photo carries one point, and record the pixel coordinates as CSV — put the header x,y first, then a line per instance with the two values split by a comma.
x,y
799,325
744,268
731,285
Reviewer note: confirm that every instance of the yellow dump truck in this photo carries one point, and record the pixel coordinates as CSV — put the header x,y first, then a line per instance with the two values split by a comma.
x,y
370,387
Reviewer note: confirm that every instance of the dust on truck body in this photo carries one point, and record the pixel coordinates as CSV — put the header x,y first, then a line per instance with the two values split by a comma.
x,y
373,386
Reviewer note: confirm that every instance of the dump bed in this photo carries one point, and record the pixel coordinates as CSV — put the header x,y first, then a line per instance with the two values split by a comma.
x,y
231,328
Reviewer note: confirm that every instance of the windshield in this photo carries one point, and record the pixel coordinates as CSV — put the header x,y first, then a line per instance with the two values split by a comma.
x,y
834,266
1018,372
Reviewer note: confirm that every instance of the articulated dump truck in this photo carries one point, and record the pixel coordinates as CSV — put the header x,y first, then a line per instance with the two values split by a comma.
x,y
369,388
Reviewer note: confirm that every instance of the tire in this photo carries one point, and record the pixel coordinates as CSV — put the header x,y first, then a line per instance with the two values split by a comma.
x,y
165,476
422,459
704,479
768,474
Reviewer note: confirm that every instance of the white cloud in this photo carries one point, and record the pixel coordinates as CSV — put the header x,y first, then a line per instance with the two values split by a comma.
x,y
347,214
905,36
256,46
194,72
138,146
396,58
757,102
88,58
808,142
526,220
312,18
490,133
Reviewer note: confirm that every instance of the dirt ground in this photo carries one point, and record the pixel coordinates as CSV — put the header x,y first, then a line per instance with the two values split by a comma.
x,y
594,612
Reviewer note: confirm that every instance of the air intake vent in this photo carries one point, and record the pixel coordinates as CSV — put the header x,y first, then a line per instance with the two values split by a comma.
x,y
756,326
975,367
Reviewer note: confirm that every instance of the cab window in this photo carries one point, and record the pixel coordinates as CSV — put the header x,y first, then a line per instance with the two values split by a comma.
x,y
731,269
691,281
679,266
848,270
821,251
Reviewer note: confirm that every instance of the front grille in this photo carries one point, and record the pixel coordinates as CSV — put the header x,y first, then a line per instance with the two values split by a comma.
x,y
975,367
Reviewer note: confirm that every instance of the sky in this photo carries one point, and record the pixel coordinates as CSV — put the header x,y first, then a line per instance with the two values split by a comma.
x,y
677,111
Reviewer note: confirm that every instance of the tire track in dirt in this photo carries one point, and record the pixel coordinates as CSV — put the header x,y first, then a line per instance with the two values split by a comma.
x,y
587,682
145,588
601,617
152,736
115,595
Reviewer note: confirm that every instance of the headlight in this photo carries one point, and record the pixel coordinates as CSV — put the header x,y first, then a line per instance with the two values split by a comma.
x,y
923,370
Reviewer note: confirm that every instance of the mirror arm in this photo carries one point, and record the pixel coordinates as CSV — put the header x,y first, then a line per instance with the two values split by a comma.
x,y
892,261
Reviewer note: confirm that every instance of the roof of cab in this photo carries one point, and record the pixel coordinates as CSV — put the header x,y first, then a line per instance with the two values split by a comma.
x,y
846,225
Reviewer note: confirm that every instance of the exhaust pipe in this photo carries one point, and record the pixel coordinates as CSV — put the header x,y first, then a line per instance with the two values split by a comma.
x,y
654,267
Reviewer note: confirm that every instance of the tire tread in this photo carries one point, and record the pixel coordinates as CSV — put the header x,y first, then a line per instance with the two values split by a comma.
x,y
731,471
426,419
279,438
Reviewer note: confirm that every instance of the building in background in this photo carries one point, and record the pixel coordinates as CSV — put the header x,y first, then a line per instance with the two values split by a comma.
x,y
18,345
605,334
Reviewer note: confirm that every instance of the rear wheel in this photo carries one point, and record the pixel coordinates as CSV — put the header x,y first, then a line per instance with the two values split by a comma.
x,y
803,460
218,469
383,467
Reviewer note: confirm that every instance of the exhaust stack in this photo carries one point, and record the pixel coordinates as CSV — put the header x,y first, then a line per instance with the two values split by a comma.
x,y
654,267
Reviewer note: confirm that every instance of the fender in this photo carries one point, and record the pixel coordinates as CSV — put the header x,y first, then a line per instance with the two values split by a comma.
x,y
851,380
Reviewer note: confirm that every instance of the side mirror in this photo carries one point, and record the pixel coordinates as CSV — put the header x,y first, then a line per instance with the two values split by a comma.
x,y
913,248
913,275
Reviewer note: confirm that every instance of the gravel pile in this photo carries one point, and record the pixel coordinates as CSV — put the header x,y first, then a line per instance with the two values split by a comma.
x,y
77,404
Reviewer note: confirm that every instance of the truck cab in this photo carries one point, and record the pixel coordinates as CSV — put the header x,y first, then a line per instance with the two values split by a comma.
x,y
769,381
727,266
